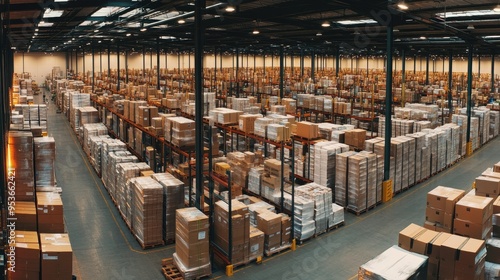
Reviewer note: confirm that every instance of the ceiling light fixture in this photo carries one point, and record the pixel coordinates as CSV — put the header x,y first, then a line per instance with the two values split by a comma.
x,y
97,30
423,37
319,34
129,34
181,21
470,27
402,6
497,8
255,32
230,9
325,24
143,29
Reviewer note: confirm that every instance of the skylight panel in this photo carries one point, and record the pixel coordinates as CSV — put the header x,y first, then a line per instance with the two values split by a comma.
x,y
467,13
107,11
52,13
354,22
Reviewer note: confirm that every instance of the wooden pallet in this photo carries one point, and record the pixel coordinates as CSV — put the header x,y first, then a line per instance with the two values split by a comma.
x,y
334,227
169,270
277,250
149,246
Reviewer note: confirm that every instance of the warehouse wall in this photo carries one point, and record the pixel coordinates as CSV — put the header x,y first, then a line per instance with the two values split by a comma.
x,y
39,64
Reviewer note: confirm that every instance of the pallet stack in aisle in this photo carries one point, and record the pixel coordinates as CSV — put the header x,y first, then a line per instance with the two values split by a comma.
x,y
27,252
126,171
473,216
44,159
324,161
49,207
147,214
322,197
173,199
85,115
20,159
32,116
494,124
89,130
440,211
77,100
110,146
114,158
192,247
96,143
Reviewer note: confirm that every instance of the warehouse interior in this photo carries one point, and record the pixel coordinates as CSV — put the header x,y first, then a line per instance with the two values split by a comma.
x,y
155,139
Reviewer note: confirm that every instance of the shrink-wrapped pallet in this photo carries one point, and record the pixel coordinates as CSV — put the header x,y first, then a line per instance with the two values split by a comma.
x,y
324,161
45,156
254,179
92,129
356,183
322,197
20,164
341,182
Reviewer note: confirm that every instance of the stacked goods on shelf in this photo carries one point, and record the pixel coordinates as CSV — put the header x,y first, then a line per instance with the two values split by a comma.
x,y
57,256
132,110
44,159
256,243
355,138
494,123
27,253
110,146
307,130
192,247
20,155
341,178
246,122
473,217
254,179
225,116
86,115
112,159
337,215
25,213
277,132
49,212
270,224
240,220
124,172
77,100
96,143
461,120
89,130
322,197
33,116
272,177
441,208
260,126
394,263
147,215
180,131
290,105
240,165
324,161
173,199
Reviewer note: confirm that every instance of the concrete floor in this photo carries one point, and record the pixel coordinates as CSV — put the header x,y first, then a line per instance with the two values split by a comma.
x,y
104,248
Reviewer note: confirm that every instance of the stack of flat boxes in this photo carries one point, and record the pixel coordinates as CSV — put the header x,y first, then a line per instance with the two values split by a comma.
x,y
192,247
180,131
432,144
89,130
246,122
260,126
173,199
49,212
27,254
307,130
270,224
256,243
86,115
325,157
322,197
240,229
271,179
341,178
115,158
147,198
45,155
254,179
57,256
96,143
440,211
240,164
473,217
20,153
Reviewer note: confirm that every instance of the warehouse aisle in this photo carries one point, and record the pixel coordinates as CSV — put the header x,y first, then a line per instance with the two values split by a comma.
x,y
339,254
103,246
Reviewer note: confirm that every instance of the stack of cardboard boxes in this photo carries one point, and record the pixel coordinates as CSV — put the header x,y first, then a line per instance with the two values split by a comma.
x,y
493,245
271,179
240,164
240,229
27,256
45,156
307,130
25,212
473,216
246,122
50,212
440,210
20,161
57,256
355,138
192,243
270,223
180,131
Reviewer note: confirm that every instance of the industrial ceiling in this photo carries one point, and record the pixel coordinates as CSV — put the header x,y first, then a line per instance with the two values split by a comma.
x,y
352,26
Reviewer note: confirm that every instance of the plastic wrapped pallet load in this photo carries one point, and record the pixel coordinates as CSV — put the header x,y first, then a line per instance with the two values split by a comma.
x,y
322,197
45,156
92,129
192,247
173,199
341,182
337,216
148,208
324,161
395,263
254,179
304,218
20,150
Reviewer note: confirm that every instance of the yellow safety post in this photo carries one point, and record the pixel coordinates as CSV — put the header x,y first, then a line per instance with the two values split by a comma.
x,y
387,192
294,244
229,270
259,260
469,148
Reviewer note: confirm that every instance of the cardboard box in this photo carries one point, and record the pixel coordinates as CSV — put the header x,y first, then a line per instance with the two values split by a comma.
x,y
192,240
356,138
477,209
57,256
449,250
407,235
496,167
25,213
422,244
256,243
307,130
487,186
493,249
473,230
496,205
269,223
434,215
444,198
286,229
470,260
221,168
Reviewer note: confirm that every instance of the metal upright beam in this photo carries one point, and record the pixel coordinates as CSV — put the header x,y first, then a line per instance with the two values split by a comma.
x,y
469,91
199,43
493,73
427,69
403,83
479,66
93,68
76,63
83,62
109,62
337,62
450,82
388,105
158,64
100,62
313,64
292,63
302,63
126,66
118,67
282,72
236,80
143,62
414,64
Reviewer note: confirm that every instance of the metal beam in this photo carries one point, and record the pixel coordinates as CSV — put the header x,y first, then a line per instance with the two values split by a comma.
x,y
337,62
118,82
493,73
469,91
403,69
388,105
158,64
450,82
282,72
93,68
427,69
199,37
313,65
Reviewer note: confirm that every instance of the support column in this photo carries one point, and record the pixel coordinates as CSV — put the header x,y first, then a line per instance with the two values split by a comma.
x,y
302,63
143,62
236,78
93,68
469,97
83,63
388,107
282,72
414,64
100,62
403,83
313,64
337,62
109,63
199,42
450,82
427,69
158,64
76,63
126,66
118,82
493,73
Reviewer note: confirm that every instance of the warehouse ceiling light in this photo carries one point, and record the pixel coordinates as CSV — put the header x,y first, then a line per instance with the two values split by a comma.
x,y
354,22
45,24
497,8
319,34
325,24
181,21
255,32
230,9
129,34
52,13
143,29
402,5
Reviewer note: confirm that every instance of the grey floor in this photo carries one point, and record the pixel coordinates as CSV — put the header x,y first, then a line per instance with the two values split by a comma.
x,y
105,249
